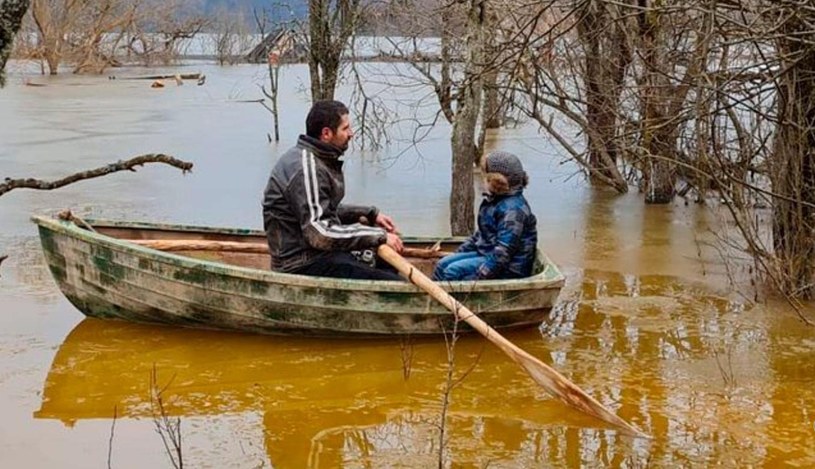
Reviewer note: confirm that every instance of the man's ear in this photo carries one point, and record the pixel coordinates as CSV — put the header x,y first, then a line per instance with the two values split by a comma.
x,y
326,134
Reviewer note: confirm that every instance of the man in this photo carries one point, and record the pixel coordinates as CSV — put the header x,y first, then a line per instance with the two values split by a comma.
x,y
310,231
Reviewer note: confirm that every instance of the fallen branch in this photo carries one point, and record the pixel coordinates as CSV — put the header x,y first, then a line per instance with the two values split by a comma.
x,y
183,76
31,183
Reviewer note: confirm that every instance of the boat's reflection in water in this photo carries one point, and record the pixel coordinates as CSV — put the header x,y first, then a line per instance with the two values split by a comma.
x,y
323,402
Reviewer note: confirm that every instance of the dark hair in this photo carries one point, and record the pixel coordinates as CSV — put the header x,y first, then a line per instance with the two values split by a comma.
x,y
324,114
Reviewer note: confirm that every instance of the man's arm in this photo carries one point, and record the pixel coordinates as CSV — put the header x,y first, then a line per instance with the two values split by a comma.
x,y
308,195
350,214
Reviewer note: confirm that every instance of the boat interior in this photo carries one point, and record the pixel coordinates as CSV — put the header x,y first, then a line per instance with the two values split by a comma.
x,y
247,249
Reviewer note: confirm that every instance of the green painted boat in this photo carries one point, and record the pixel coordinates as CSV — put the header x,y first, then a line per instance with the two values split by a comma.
x,y
107,274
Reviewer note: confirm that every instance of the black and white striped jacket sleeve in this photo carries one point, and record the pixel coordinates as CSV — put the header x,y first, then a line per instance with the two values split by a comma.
x,y
309,193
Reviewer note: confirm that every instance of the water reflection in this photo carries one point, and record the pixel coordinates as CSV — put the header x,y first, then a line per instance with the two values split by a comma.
x,y
690,367
323,403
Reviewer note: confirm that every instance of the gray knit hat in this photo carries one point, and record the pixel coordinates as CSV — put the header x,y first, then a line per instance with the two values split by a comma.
x,y
507,164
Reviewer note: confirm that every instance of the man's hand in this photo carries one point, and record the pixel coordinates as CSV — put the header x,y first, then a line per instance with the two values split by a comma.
x,y
395,242
385,222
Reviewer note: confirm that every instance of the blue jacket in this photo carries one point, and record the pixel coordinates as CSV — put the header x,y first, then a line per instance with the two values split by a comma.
x,y
507,236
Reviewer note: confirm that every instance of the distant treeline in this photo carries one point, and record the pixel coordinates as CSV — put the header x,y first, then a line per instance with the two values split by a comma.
x,y
278,10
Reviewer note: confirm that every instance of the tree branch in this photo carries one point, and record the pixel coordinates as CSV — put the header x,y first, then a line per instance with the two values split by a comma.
x,y
130,165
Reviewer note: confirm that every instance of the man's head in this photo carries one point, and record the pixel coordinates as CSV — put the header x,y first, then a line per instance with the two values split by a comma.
x,y
504,172
328,122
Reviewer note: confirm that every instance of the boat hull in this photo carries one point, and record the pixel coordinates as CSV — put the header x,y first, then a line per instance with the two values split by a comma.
x,y
110,278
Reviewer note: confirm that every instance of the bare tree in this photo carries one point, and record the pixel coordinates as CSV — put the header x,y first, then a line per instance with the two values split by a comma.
x,y
792,166
607,54
463,139
674,50
54,19
275,45
566,66
109,17
455,74
167,427
93,35
331,23
229,36
162,27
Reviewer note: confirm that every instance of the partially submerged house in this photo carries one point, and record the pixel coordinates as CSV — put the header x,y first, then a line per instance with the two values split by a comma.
x,y
281,45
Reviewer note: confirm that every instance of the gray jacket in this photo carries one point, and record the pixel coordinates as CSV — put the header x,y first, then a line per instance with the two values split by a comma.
x,y
302,210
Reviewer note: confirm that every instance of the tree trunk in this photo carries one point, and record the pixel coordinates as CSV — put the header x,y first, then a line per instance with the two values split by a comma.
x,y
330,72
11,17
274,78
657,132
462,197
329,32
317,11
793,168
659,173
607,55
492,103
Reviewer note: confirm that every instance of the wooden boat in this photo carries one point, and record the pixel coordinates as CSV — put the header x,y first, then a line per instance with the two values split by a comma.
x,y
104,271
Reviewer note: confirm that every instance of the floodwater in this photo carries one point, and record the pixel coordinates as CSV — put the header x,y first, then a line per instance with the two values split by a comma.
x,y
650,322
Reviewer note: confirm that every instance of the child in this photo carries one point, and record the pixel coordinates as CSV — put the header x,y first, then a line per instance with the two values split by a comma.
x,y
505,242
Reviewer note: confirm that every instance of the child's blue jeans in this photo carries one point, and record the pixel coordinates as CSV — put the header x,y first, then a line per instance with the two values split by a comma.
x,y
459,266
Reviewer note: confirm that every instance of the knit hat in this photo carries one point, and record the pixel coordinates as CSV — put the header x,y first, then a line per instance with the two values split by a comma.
x,y
507,164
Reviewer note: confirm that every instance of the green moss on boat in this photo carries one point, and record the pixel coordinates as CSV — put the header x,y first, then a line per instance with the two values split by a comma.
x,y
106,276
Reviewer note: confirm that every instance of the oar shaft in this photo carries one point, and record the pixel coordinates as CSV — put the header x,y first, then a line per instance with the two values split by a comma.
x,y
439,294
555,383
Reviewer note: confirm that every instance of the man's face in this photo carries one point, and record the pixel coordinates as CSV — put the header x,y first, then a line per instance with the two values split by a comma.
x,y
342,136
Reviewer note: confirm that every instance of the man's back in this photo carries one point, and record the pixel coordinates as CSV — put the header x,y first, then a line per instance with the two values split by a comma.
x,y
279,219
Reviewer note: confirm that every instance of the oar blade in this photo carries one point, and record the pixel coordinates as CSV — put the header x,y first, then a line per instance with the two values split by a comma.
x,y
560,387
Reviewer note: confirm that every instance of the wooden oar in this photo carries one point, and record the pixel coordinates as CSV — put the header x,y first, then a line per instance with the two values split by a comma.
x,y
250,248
554,383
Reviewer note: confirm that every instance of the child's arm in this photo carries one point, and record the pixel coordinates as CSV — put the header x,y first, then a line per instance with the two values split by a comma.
x,y
510,234
469,245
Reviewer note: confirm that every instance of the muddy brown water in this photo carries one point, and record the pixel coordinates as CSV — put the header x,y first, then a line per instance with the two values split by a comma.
x,y
650,322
